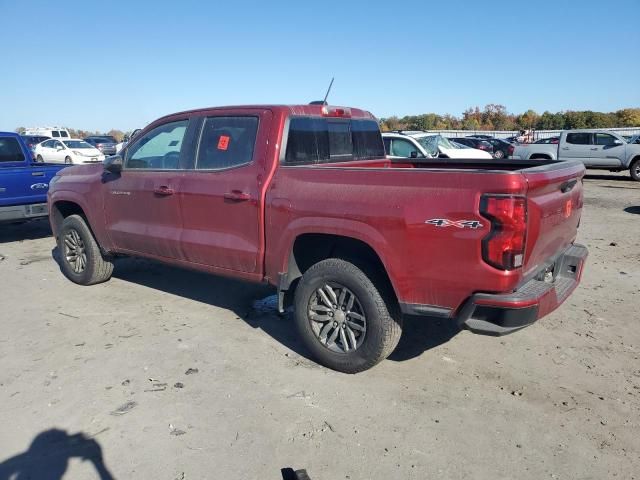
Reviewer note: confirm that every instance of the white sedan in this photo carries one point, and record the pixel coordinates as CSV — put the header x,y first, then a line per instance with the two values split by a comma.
x,y
416,144
72,151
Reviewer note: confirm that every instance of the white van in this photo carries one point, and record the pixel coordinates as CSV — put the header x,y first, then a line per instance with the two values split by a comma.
x,y
51,132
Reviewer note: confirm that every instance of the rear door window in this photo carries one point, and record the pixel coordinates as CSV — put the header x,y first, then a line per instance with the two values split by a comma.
x,y
226,142
10,150
580,138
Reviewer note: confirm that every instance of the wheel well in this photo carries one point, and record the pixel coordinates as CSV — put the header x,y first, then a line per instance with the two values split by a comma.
x,y
63,209
311,248
540,156
634,159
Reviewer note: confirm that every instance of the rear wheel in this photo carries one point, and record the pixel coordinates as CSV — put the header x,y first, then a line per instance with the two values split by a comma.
x,y
81,259
343,318
39,159
498,154
635,170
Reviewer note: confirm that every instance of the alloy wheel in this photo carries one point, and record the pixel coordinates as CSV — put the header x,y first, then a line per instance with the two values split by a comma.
x,y
337,318
74,251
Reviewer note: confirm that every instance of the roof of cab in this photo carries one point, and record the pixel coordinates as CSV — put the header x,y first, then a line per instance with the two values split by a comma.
x,y
315,110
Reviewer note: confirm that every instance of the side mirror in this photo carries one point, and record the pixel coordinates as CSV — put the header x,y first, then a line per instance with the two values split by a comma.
x,y
617,142
113,164
414,154
59,148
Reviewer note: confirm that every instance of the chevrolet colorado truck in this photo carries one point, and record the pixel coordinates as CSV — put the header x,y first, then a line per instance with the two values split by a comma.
x,y
595,148
304,198
23,182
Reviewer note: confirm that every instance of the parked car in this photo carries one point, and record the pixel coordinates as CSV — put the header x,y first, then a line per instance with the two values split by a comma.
x,y
127,139
553,140
501,148
32,140
476,143
23,183
72,151
51,132
416,144
595,148
303,198
482,136
105,143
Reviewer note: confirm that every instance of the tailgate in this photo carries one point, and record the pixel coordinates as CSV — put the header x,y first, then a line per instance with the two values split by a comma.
x,y
554,207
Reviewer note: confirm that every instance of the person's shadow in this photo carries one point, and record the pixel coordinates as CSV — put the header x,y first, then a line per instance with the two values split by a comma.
x,y
48,457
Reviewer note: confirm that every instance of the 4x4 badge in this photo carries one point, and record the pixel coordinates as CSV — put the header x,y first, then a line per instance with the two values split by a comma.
x,y
443,222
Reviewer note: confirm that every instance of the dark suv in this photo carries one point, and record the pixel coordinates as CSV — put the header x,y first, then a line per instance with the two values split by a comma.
x,y
105,143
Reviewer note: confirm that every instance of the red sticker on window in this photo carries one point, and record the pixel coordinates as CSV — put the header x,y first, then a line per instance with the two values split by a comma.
x,y
223,142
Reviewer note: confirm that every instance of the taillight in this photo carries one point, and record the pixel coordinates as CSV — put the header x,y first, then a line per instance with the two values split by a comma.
x,y
503,248
510,150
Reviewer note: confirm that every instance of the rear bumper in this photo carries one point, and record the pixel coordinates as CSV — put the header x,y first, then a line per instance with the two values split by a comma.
x,y
500,314
23,212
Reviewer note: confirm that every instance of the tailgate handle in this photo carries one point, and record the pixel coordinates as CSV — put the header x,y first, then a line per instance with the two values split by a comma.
x,y
567,186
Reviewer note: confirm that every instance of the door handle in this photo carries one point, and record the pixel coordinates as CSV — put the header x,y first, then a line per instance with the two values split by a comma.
x,y
596,148
164,191
565,148
237,196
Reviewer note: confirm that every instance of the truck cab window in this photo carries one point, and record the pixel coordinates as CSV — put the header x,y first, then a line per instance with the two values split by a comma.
x,y
10,150
319,140
226,142
580,138
159,149
605,139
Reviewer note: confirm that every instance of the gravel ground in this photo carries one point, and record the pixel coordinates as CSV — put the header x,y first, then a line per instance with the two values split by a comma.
x,y
168,374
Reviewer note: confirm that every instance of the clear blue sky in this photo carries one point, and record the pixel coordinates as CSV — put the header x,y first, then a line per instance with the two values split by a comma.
x,y
103,65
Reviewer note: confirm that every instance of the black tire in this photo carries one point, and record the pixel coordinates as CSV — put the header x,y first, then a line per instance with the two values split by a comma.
x,y
95,268
383,324
39,159
498,154
68,160
634,170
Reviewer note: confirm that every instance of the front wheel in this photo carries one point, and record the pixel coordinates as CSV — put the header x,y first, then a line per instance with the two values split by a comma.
x,y
68,161
39,159
498,154
343,317
81,259
635,170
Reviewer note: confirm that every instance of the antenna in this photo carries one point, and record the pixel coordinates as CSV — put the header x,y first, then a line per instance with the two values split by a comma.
x,y
324,102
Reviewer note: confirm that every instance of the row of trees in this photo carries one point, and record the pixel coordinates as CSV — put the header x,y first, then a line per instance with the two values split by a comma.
x,y
117,134
496,117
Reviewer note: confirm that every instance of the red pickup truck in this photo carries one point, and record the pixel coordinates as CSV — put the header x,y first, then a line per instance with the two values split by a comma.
x,y
303,198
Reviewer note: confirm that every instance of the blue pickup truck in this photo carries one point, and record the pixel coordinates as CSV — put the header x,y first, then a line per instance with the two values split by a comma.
x,y
23,182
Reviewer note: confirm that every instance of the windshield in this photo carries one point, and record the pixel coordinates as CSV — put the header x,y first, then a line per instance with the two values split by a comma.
x,y
433,143
77,144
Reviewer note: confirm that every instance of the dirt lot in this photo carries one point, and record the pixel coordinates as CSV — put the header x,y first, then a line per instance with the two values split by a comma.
x,y
178,375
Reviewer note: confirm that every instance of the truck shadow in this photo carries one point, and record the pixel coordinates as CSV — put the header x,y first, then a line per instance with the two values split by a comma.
x,y
257,305
47,458
635,210
254,304
32,230
613,176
